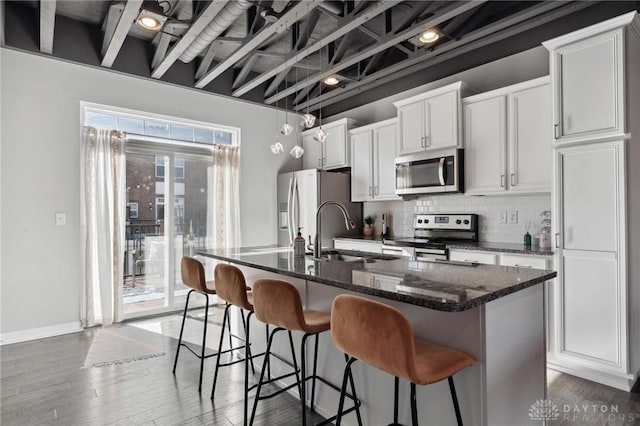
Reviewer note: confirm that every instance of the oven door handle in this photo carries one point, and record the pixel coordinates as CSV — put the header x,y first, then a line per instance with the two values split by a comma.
x,y
441,171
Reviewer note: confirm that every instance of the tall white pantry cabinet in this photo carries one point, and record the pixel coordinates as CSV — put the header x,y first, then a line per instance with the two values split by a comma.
x,y
595,317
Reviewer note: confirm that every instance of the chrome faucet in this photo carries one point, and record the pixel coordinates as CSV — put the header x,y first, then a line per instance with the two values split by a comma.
x,y
317,246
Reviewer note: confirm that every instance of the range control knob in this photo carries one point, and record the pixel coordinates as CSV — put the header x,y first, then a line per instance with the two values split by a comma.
x,y
458,221
466,221
426,221
419,220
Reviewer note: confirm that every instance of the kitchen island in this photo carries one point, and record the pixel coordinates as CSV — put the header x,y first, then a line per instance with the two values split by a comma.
x,y
493,313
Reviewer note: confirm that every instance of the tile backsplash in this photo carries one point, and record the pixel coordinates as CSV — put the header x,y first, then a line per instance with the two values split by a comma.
x,y
528,208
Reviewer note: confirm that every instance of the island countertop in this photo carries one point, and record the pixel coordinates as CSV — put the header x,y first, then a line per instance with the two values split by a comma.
x,y
443,286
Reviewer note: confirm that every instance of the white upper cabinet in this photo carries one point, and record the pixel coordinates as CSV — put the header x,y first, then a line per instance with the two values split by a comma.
x,y
530,158
431,120
485,140
587,71
508,139
372,169
334,152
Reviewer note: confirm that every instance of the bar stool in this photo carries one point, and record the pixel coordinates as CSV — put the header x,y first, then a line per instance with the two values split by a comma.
x,y
232,288
193,276
278,303
381,336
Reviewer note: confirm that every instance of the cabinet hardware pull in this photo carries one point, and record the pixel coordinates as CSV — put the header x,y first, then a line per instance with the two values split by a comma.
x,y
370,191
426,141
375,190
557,235
422,141
513,179
319,162
555,130
522,266
501,181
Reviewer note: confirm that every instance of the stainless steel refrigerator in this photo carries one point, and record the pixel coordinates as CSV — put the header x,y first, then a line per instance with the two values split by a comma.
x,y
299,195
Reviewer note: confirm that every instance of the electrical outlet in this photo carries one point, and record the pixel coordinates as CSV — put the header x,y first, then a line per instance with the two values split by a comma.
x,y
503,217
513,217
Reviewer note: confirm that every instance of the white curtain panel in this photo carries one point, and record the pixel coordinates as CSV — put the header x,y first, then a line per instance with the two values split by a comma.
x,y
223,214
103,220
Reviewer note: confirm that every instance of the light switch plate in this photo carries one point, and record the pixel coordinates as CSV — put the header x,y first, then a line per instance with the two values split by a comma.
x,y
61,218
503,217
513,217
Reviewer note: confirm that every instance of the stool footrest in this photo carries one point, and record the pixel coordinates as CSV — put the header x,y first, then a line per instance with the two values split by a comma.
x,y
279,391
198,355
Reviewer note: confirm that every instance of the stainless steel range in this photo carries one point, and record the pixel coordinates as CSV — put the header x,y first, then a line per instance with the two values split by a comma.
x,y
431,233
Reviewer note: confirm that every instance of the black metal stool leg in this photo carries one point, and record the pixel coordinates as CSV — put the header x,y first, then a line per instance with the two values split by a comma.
x,y
396,390
262,373
246,340
315,373
204,341
230,334
184,317
247,356
303,383
215,374
454,397
355,396
414,406
295,362
267,355
343,389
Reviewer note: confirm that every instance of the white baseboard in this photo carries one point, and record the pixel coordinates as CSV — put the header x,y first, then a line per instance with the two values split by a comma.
x,y
39,333
622,382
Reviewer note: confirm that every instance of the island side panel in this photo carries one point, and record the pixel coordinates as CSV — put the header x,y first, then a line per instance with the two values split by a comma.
x,y
459,330
515,356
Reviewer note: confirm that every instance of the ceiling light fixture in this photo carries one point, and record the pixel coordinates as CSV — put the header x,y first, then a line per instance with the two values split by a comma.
x,y
429,36
331,81
151,16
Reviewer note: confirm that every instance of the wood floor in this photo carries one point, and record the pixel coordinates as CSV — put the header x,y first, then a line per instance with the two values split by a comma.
x,y
47,382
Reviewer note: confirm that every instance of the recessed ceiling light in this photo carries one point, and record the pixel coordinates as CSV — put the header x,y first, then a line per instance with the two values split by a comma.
x,y
151,16
331,81
429,36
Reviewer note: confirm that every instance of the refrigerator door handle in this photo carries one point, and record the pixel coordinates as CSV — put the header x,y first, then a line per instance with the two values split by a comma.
x,y
295,208
289,210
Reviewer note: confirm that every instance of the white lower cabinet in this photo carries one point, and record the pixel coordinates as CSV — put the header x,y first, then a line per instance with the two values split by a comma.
x,y
591,310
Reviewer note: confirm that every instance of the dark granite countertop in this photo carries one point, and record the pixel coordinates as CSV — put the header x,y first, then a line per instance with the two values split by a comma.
x,y
443,286
512,248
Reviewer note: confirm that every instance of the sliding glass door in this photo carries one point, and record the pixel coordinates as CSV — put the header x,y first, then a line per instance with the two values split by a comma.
x,y
167,211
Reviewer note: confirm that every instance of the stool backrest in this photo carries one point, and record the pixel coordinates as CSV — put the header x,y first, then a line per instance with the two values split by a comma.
x,y
278,303
231,286
374,333
192,273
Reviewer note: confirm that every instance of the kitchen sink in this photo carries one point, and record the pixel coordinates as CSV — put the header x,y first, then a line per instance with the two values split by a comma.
x,y
354,256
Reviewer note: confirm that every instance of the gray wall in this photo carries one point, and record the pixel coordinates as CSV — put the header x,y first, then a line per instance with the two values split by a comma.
x,y
40,173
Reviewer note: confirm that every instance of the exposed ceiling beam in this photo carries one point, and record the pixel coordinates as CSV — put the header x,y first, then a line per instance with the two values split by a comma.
x,y
418,10
374,35
252,43
345,25
47,24
302,41
113,40
205,64
244,71
196,28
503,29
388,41
161,49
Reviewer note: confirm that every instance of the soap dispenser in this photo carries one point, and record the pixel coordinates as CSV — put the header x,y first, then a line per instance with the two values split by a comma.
x,y
298,245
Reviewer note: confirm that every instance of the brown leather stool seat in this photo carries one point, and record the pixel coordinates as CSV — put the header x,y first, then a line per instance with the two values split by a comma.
x,y
381,336
193,276
278,303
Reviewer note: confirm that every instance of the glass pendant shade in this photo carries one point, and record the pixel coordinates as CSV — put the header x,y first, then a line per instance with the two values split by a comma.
x,y
321,135
308,120
296,151
286,129
277,148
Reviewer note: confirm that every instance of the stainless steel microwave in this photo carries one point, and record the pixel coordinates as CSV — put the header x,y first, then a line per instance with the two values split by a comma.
x,y
430,172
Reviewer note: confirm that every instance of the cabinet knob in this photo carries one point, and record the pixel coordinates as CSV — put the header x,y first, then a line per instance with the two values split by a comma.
x,y
557,244
513,179
502,181
556,127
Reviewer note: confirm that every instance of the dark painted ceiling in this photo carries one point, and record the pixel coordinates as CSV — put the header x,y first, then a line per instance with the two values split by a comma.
x,y
278,52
